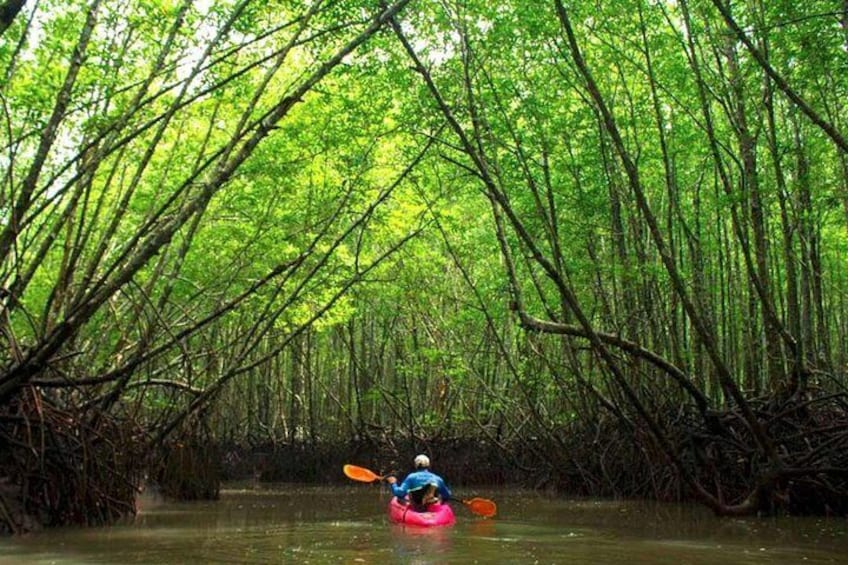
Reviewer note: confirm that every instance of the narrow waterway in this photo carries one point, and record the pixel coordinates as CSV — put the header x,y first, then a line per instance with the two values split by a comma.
x,y
307,524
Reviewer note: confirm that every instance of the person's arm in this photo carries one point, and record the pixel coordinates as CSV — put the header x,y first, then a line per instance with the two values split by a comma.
x,y
398,491
444,490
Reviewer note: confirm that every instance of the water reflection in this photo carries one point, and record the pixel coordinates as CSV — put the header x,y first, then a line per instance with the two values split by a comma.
x,y
299,524
420,545
481,528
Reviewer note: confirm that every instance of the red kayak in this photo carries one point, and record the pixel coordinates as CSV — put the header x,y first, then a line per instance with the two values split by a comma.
x,y
438,514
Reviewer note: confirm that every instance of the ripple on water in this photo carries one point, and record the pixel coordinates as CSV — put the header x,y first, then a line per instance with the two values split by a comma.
x,y
349,525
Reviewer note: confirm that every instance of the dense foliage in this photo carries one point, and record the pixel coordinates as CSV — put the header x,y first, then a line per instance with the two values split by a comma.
x,y
285,222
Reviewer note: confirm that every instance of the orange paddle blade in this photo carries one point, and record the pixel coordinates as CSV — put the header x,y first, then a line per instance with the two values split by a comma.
x,y
360,474
482,507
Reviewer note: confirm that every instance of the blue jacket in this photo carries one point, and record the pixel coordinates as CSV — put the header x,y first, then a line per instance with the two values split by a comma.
x,y
421,479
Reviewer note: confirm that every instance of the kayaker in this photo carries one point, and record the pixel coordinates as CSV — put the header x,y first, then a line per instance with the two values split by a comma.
x,y
422,487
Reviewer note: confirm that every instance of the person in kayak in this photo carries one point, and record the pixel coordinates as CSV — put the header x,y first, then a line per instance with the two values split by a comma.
x,y
421,487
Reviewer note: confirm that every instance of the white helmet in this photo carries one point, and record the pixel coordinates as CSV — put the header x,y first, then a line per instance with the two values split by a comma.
x,y
422,462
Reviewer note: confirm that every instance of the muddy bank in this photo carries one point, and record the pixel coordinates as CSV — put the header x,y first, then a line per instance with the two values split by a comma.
x,y
63,467
608,458
465,461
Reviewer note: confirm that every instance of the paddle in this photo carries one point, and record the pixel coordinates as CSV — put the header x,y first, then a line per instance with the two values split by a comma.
x,y
361,474
480,506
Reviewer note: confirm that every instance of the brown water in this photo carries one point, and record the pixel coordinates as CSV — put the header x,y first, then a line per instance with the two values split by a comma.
x,y
306,524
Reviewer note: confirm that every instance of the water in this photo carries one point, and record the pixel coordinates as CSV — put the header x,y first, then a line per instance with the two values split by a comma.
x,y
307,524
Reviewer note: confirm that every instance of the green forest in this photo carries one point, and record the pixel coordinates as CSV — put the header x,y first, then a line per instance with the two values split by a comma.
x,y
595,248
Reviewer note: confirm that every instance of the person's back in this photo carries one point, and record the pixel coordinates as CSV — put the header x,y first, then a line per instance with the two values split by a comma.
x,y
422,486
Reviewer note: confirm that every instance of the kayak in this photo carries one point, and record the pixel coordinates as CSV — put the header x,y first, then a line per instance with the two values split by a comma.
x,y
438,514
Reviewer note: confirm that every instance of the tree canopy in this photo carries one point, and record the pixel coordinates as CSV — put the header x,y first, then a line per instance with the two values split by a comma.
x,y
347,219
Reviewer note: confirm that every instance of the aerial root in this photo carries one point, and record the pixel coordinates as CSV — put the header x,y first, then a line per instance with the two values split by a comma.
x,y
58,467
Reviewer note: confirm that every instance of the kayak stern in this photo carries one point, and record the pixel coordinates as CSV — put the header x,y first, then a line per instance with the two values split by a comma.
x,y
438,514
